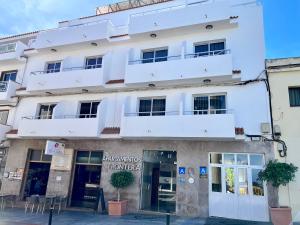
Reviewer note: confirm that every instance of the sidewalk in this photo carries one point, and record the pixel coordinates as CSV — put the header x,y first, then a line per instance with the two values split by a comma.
x,y
18,217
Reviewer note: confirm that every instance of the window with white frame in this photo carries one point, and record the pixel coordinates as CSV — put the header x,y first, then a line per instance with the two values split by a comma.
x,y
3,117
89,109
210,104
155,55
46,111
9,75
210,48
93,62
294,96
53,67
152,106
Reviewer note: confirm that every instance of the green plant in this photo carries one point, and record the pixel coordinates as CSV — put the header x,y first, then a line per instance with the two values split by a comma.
x,y
278,173
121,180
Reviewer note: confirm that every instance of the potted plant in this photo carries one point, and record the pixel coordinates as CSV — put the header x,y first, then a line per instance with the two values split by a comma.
x,y
119,180
279,174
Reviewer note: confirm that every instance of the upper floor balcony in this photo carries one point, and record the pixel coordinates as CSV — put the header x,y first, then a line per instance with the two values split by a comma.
x,y
7,91
73,34
186,68
179,17
61,124
11,51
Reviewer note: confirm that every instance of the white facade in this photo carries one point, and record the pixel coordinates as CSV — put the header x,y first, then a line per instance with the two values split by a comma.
x,y
123,79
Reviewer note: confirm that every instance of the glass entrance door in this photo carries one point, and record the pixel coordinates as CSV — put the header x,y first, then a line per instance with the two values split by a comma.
x,y
159,181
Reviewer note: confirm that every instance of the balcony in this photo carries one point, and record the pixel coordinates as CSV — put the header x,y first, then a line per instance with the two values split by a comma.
x,y
75,34
188,125
7,91
11,51
179,17
71,78
61,125
212,65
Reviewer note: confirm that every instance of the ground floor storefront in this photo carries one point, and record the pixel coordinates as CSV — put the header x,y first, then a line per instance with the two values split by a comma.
x,y
187,178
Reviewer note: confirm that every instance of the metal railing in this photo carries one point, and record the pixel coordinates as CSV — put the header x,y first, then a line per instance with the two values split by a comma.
x,y
208,53
3,86
6,48
154,60
208,112
153,113
87,67
77,116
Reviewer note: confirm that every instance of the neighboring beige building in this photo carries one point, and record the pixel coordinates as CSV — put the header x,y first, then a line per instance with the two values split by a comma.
x,y
284,77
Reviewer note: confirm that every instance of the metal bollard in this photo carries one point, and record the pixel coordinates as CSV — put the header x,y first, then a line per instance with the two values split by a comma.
x,y
168,218
51,211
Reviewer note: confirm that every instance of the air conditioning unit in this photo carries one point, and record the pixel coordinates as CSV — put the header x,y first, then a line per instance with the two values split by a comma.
x,y
265,128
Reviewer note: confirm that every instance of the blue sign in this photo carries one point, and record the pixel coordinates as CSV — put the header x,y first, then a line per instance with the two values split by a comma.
x,y
203,171
181,170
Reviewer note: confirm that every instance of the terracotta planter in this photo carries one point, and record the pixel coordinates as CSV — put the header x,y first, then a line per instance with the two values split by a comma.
x,y
281,216
116,208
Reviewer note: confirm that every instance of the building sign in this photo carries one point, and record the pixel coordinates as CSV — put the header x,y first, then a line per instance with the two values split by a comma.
x,y
16,175
54,148
203,172
181,170
63,162
131,163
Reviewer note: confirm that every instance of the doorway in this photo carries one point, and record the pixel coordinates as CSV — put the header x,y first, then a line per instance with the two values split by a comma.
x,y
159,181
235,190
86,181
37,173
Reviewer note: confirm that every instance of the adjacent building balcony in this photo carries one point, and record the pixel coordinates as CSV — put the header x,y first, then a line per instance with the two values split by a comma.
x,y
179,17
77,78
188,125
211,65
62,125
11,51
73,34
8,91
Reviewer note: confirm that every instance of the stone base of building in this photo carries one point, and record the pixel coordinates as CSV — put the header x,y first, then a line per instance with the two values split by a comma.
x,y
186,188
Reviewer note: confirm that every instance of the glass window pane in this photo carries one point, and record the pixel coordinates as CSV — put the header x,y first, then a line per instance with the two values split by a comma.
x,y
229,159
85,109
229,178
145,107
148,57
216,179
216,158
242,159
201,105
35,155
161,55
294,95
217,104
243,181
94,109
46,158
43,114
217,48
82,157
159,107
201,50
258,187
3,117
96,157
256,160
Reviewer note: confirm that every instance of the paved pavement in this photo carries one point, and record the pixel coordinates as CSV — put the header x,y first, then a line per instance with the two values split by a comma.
x,y
18,217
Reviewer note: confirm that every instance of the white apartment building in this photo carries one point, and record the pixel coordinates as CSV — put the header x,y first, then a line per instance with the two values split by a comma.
x,y
168,89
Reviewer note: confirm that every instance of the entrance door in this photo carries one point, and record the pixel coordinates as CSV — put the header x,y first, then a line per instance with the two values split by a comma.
x,y
159,181
87,175
38,173
234,189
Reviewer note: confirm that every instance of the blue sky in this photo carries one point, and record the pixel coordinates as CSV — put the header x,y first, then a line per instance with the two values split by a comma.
x,y
282,20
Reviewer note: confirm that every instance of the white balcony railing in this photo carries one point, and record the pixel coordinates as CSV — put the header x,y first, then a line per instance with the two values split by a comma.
x,y
218,124
154,60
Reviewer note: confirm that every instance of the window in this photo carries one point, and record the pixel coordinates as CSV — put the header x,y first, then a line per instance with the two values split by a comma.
x,y
213,48
158,55
89,157
39,156
53,67
88,109
9,75
3,117
294,93
212,104
152,107
46,111
93,62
